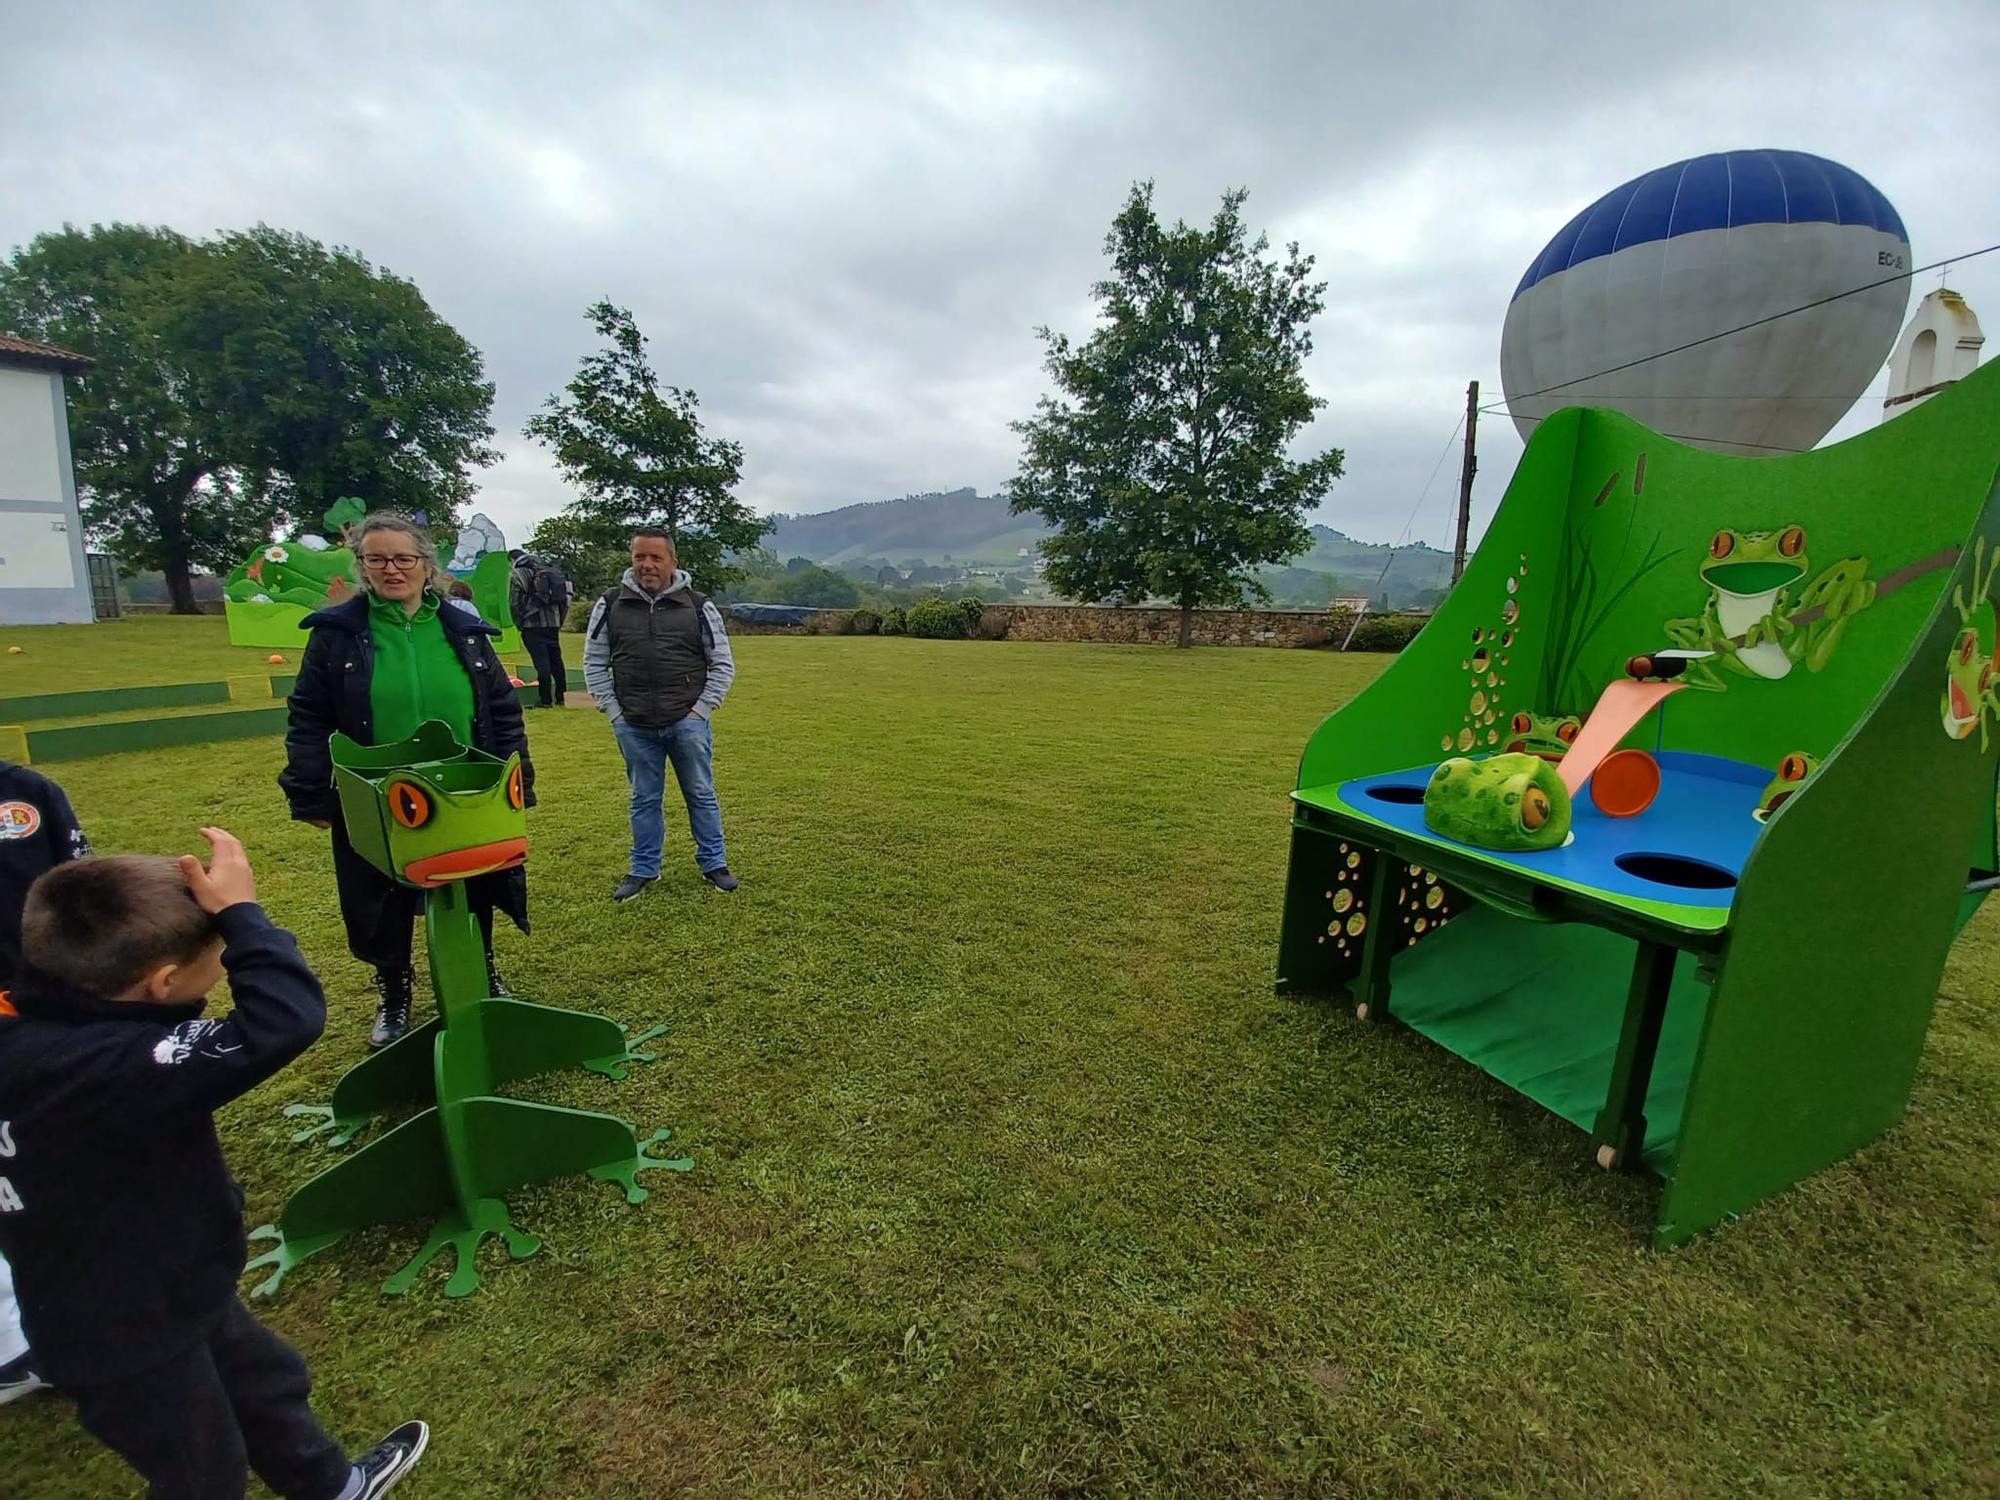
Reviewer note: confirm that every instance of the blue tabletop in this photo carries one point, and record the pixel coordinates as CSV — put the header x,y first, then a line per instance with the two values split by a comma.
x,y
1687,848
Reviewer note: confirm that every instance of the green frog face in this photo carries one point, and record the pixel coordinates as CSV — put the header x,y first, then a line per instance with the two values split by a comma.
x,y
1546,735
428,811
1750,564
1512,802
1793,772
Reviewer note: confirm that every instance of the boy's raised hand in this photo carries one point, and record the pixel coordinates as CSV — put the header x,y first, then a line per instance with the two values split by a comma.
x,y
228,880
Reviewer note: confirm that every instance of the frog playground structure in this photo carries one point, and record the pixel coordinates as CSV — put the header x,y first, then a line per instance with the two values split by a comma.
x,y
1720,963
433,813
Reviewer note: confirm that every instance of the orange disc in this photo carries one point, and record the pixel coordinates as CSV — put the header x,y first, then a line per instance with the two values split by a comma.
x,y
1625,783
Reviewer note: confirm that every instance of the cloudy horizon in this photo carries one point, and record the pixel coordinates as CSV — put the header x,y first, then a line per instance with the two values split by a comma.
x,y
840,225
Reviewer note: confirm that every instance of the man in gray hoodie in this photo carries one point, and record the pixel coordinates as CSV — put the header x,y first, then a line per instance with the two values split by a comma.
x,y
657,660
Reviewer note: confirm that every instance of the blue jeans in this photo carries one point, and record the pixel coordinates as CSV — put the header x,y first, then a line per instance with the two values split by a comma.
x,y
690,745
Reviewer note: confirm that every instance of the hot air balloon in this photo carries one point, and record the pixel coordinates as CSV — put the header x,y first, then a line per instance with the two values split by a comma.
x,y
1691,250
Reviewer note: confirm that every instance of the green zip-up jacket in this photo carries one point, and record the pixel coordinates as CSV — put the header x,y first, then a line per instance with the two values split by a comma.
x,y
418,675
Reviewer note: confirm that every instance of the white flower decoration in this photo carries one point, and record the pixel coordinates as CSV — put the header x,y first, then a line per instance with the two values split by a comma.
x,y
276,554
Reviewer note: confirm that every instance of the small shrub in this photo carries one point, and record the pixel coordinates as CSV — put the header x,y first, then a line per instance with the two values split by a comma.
x,y
864,621
937,620
1386,632
813,626
895,621
973,607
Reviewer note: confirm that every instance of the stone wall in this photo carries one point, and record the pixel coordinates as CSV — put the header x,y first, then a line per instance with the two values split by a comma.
x,y
1162,627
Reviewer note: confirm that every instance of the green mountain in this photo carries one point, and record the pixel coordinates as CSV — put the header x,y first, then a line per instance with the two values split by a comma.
x,y
965,528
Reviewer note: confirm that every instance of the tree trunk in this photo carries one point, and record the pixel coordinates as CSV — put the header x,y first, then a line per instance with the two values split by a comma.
x,y
1187,625
180,585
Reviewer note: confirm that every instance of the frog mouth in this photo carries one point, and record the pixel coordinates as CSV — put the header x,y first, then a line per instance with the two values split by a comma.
x,y
1961,710
1746,580
466,864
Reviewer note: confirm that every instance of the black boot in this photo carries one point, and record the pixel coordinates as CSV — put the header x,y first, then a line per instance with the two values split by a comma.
x,y
495,985
392,1014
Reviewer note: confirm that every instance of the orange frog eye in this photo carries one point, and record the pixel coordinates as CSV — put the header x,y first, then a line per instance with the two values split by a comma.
x,y
1792,767
410,804
1534,808
516,797
1522,724
1721,544
1568,730
1967,644
1793,542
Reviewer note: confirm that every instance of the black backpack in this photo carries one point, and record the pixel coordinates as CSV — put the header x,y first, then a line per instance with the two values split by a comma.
x,y
547,587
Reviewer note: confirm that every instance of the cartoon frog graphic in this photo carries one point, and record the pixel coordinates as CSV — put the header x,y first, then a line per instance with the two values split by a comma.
x,y
1794,771
1546,735
1972,671
1512,802
1749,620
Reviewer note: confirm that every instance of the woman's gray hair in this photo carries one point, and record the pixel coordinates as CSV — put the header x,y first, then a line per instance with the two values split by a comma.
x,y
420,543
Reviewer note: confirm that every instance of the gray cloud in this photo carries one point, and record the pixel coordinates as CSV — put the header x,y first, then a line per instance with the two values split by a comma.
x,y
840,224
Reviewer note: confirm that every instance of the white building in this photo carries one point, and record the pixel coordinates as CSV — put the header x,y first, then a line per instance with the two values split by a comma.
x,y
43,579
1940,345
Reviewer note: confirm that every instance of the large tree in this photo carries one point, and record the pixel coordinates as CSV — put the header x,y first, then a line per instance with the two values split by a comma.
x,y
1161,459
636,450
335,376
243,382
153,464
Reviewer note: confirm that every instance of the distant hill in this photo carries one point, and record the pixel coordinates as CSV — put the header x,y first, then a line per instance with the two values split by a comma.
x,y
966,527
962,524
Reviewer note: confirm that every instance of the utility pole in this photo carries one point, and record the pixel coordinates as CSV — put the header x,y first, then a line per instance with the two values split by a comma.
x,y
1465,473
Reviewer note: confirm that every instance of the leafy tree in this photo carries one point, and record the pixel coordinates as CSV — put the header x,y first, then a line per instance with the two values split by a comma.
x,y
588,560
636,449
151,459
1161,460
335,376
817,586
241,383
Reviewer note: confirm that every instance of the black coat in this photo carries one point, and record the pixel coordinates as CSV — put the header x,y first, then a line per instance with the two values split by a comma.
x,y
122,1222
332,693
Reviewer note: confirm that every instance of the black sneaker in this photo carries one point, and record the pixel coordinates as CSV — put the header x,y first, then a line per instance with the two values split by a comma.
x,y
495,985
383,1465
630,886
720,878
19,1377
392,1012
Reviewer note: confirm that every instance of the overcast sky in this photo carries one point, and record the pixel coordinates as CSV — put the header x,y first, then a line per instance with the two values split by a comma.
x,y
840,223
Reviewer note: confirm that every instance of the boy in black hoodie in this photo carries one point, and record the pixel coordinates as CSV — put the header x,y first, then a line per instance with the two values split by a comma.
x,y
119,1215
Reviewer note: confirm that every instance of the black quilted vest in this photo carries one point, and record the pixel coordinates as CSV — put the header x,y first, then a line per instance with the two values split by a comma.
x,y
659,657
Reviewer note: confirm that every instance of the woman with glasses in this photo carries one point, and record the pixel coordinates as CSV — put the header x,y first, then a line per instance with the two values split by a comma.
x,y
375,667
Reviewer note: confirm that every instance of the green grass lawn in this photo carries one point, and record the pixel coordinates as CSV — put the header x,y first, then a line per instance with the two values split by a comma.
x,y
1013,1177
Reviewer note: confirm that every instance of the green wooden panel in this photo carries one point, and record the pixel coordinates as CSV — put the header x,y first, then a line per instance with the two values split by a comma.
x,y
152,734
1843,920
111,701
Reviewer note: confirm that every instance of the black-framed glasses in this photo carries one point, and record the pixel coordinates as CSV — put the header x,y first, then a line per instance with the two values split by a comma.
x,y
381,562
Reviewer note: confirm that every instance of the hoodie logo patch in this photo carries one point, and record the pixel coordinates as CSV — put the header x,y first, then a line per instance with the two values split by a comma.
x,y
186,1039
19,820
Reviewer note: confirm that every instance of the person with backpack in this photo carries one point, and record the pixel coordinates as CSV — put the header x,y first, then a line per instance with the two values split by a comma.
x,y
538,596
657,660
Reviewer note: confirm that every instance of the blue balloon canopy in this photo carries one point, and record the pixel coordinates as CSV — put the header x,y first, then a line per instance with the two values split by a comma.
x,y
1723,190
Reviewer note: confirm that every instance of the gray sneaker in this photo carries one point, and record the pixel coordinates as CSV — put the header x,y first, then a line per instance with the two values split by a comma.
x,y
383,1466
720,878
629,887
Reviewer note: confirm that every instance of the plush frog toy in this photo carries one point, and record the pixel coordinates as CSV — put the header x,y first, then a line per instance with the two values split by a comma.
x,y
1794,771
1510,802
1546,735
1748,619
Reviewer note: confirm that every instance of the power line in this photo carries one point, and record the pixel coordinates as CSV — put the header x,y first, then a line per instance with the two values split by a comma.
x,y
1755,323
1389,561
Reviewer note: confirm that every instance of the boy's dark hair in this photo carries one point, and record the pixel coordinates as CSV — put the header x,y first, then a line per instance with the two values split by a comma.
x,y
103,923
